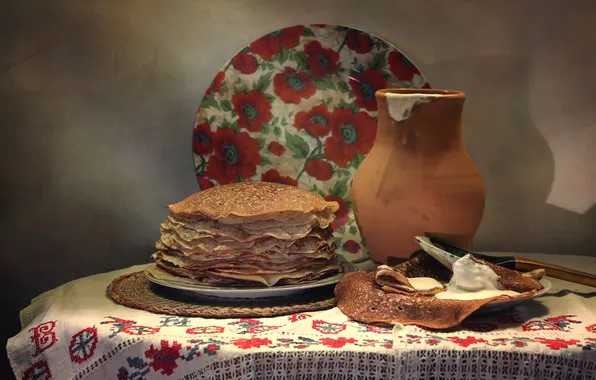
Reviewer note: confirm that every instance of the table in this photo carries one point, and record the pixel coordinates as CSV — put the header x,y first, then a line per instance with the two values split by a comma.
x,y
76,332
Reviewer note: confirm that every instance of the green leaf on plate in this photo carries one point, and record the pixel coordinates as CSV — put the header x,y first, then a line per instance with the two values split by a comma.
x,y
209,101
337,242
341,188
308,33
284,121
262,143
301,59
265,128
226,124
274,121
277,131
353,230
341,229
235,127
297,145
242,88
386,75
379,60
263,83
343,104
324,83
211,119
226,105
357,160
270,97
343,86
283,55
270,65
265,161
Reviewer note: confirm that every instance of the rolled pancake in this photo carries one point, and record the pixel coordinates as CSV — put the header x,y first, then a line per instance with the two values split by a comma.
x,y
363,299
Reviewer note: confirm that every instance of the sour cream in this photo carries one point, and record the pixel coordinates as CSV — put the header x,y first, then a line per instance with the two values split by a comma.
x,y
470,281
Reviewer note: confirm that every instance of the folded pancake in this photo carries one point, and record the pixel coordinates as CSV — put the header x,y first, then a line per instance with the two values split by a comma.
x,y
248,234
388,295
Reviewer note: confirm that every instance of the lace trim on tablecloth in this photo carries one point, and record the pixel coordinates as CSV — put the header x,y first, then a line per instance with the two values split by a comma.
x,y
424,364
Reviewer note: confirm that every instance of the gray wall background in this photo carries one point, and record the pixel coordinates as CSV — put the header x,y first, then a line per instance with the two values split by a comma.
x,y
97,103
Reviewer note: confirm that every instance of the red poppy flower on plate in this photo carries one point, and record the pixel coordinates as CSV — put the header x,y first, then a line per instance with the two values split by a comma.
x,y
245,63
317,121
236,155
253,109
215,85
401,67
319,169
359,42
272,175
350,133
322,62
276,148
341,215
270,44
292,86
352,246
202,142
364,85
204,183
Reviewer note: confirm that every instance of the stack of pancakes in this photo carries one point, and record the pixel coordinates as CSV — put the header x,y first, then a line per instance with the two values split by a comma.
x,y
249,234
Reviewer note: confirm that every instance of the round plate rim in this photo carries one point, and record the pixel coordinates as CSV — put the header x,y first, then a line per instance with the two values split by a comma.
x,y
234,292
546,285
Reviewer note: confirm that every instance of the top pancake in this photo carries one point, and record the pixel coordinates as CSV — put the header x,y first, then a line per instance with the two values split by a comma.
x,y
239,202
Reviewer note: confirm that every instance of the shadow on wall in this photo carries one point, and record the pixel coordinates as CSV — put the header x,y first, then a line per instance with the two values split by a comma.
x,y
85,170
514,159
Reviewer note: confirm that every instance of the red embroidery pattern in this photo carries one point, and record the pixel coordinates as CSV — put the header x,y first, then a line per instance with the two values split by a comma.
x,y
336,342
251,343
44,336
327,327
558,323
205,330
298,317
140,330
558,343
38,371
591,328
82,345
260,329
164,359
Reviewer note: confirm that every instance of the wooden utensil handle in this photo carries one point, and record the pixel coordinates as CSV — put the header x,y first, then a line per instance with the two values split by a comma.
x,y
526,265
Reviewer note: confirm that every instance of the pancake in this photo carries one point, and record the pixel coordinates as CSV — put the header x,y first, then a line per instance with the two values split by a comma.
x,y
253,201
387,297
248,277
248,234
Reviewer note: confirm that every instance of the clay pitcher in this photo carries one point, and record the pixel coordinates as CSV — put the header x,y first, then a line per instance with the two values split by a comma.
x,y
417,179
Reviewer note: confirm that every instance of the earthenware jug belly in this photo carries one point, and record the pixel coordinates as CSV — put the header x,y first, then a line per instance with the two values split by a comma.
x,y
417,179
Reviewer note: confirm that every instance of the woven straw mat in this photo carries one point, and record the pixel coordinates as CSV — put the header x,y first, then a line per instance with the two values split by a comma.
x,y
136,291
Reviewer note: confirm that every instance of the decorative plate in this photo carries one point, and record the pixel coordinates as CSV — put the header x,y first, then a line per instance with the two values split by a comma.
x,y
297,106
163,278
501,305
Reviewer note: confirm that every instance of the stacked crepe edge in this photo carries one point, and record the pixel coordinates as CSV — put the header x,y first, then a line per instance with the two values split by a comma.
x,y
248,234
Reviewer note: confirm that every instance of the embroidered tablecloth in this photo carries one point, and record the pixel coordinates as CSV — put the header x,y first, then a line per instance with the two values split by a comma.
x,y
76,332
